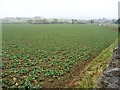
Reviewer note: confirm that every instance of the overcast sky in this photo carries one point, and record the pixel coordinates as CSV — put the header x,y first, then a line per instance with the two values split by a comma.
x,y
77,9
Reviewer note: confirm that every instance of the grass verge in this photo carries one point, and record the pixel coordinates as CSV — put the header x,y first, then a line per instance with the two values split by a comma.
x,y
93,71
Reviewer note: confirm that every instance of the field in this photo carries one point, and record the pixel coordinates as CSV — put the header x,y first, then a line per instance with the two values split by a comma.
x,y
50,55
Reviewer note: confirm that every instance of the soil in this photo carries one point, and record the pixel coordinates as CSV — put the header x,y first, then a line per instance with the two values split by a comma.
x,y
68,80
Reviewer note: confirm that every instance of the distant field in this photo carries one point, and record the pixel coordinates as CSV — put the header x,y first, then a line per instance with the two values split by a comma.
x,y
45,55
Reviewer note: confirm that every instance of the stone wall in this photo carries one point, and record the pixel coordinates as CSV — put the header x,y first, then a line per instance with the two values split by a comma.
x,y
111,75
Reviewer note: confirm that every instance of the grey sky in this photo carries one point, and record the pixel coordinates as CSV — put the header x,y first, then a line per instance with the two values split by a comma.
x,y
79,9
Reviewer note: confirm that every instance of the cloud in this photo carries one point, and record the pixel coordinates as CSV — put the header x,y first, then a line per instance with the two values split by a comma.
x,y
60,8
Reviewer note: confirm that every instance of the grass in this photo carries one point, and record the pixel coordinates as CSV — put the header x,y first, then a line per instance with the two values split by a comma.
x,y
91,74
35,54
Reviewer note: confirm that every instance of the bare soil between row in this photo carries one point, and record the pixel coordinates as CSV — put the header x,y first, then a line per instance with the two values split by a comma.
x,y
68,80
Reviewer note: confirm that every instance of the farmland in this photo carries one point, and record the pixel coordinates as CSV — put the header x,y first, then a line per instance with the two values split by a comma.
x,y
44,55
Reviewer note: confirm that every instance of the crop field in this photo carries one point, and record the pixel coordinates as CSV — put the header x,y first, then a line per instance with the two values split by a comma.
x,y
49,55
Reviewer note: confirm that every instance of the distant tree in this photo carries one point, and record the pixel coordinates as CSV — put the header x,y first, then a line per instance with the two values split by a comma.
x,y
30,21
76,21
114,21
44,21
73,21
37,21
61,22
118,21
92,21
55,21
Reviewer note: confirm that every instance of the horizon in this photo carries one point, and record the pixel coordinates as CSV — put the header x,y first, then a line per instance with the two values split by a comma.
x,y
60,18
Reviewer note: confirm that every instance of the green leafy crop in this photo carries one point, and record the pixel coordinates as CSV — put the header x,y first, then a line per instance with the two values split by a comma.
x,y
33,55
